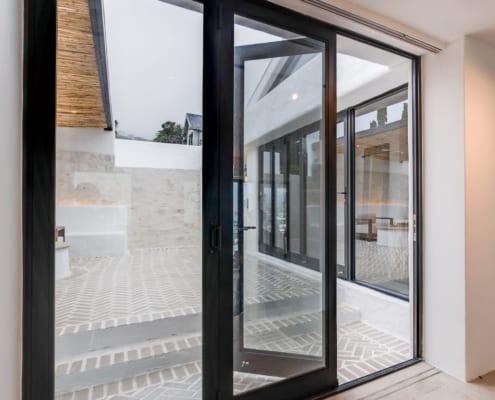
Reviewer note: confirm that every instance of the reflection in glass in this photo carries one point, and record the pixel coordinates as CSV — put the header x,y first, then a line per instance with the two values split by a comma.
x,y
128,200
278,330
342,271
295,178
313,194
266,197
382,194
374,183
280,199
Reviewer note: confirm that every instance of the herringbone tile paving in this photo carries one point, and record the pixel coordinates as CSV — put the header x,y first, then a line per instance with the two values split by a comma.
x,y
152,284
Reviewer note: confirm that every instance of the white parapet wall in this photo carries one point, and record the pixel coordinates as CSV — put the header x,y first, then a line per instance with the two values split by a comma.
x,y
86,140
93,230
386,313
139,154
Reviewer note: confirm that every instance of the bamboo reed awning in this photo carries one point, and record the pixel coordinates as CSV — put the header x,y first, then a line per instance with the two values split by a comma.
x,y
82,84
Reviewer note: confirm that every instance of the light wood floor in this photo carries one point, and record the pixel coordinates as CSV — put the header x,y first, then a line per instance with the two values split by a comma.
x,y
422,382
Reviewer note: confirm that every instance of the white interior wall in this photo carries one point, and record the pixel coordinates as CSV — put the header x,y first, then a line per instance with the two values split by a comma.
x,y
444,210
480,207
10,199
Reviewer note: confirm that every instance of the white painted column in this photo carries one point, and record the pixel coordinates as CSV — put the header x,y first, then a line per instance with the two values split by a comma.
x,y
480,207
444,210
10,200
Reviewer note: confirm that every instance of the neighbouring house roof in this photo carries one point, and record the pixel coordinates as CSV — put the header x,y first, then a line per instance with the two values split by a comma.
x,y
82,83
194,122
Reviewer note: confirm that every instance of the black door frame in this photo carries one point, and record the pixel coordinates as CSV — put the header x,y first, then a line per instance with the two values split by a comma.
x,y
38,182
325,377
259,361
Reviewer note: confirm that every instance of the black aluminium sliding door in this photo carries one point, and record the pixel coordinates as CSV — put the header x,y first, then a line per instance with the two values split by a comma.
x,y
227,349
294,91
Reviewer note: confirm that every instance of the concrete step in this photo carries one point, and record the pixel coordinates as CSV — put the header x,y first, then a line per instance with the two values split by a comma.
x,y
84,341
137,331
115,353
123,362
185,378
129,351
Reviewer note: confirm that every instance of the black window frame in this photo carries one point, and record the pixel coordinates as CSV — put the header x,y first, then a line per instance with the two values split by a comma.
x,y
348,116
38,183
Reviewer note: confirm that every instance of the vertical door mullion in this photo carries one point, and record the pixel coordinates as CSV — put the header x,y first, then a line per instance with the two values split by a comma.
x,y
417,207
218,80
273,199
287,196
304,182
38,207
350,211
330,173
261,195
301,195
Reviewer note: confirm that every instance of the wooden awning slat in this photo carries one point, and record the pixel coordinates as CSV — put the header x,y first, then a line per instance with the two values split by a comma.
x,y
79,92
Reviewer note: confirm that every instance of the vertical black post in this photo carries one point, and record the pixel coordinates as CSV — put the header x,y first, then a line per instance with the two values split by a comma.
x,y
218,199
303,216
273,198
417,207
286,148
329,270
38,175
351,194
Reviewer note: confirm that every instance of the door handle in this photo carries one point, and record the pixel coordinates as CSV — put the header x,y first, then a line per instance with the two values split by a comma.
x,y
215,238
246,228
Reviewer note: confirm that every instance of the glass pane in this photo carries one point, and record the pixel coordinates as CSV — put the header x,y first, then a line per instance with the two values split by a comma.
x,y
295,160
373,313
313,194
128,201
278,319
342,271
382,192
280,198
393,109
266,198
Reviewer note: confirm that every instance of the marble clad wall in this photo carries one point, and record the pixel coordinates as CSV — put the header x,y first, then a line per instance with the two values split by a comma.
x,y
164,205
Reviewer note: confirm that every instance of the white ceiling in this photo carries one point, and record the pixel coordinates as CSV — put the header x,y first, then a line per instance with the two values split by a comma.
x,y
446,20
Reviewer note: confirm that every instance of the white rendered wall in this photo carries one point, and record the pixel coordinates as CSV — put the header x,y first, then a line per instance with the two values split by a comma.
x,y
86,140
137,154
444,210
10,199
480,207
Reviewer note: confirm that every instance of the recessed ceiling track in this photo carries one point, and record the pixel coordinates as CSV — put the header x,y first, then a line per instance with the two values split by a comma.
x,y
373,25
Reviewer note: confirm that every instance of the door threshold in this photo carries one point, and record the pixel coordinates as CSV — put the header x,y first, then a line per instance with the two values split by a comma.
x,y
382,382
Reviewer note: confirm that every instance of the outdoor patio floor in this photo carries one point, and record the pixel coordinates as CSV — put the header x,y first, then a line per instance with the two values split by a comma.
x,y
153,286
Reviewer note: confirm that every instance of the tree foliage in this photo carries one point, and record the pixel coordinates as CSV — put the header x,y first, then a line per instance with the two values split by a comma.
x,y
171,132
381,116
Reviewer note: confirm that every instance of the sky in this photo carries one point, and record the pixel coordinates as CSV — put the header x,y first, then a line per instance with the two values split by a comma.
x,y
155,56
155,63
